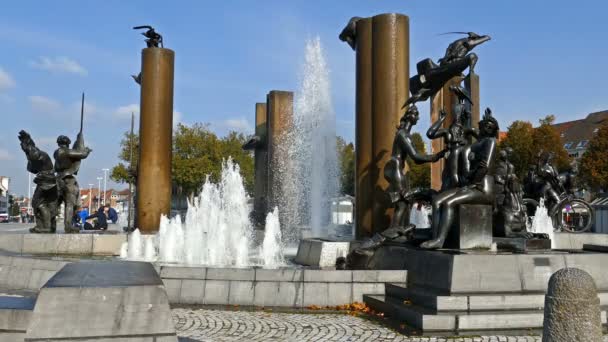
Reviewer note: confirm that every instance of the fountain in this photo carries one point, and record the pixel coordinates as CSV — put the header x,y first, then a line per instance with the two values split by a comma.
x,y
310,173
271,251
542,223
419,216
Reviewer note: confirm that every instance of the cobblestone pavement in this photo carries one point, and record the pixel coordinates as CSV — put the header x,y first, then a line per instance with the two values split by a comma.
x,y
217,325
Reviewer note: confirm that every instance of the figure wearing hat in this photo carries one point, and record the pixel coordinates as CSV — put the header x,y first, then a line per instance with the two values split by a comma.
x,y
67,164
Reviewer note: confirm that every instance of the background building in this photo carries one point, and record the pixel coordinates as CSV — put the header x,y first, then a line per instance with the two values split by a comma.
x,y
575,135
4,181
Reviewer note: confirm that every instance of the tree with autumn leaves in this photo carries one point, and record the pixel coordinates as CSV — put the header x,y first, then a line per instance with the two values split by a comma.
x,y
593,165
528,141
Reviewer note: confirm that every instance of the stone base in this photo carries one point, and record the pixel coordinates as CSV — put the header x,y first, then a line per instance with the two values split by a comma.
x,y
522,245
321,253
472,291
110,301
595,248
472,229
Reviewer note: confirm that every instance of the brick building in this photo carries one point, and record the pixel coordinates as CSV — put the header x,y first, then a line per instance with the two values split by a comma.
x,y
575,135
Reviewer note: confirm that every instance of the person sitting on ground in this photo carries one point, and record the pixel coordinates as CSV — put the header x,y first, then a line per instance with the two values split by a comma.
x,y
112,214
101,222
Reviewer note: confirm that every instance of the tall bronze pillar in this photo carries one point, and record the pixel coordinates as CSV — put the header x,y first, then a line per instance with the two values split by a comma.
x,y
363,130
471,83
260,191
390,89
155,138
279,105
382,52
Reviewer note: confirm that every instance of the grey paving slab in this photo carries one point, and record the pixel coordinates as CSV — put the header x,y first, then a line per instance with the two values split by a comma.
x,y
176,272
230,273
338,293
105,274
282,274
192,291
379,276
506,302
535,270
108,244
242,292
11,242
285,294
216,292
594,264
173,288
328,276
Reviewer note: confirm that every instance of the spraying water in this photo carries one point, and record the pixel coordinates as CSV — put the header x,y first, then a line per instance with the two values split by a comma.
x,y
310,175
216,232
271,251
420,216
542,223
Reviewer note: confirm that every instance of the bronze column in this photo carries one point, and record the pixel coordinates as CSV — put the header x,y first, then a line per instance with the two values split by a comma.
x,y
279,106
363,130
260,191
471,83
155,138
390,90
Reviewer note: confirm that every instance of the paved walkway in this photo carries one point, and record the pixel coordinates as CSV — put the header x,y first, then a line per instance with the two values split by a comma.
x,y
216,325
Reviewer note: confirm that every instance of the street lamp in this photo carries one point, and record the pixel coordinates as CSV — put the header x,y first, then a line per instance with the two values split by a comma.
x,y
99,189
105,184
90,195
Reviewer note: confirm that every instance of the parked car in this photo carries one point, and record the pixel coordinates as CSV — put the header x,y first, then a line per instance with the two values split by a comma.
x,y
4,218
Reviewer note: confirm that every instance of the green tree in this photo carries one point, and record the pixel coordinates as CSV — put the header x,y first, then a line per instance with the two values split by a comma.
x,y
120,173
419,174
593,166
346,160
197,152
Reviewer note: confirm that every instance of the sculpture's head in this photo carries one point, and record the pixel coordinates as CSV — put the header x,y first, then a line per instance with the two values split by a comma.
x,y
411,115
63,141
488,126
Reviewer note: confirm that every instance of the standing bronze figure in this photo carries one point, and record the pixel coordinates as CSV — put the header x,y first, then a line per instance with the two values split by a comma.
x,y
67,164
399,189
456,137
477,184
44,200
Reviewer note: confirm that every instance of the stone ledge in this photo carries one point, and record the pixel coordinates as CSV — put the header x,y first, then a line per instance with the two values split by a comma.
x,y
64,244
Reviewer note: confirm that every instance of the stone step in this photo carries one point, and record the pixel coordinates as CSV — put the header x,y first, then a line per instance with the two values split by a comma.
x,y
426,319
441,301
15,313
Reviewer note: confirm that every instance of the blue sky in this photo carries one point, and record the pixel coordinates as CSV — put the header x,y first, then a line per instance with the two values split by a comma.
x,y
546,57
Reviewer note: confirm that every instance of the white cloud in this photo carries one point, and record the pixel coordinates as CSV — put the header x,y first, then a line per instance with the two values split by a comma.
x,y
5,155
59,65
6,81
43,104
125,111
237,124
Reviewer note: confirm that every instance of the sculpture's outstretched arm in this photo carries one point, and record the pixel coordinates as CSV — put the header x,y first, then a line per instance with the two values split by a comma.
x,y
408,147
435,131
78,154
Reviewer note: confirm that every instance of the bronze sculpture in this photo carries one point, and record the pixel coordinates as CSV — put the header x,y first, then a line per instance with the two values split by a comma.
x,y
456,137
55,184
476,182
399,189
44,200
432,77
510,213
154,39
67,164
